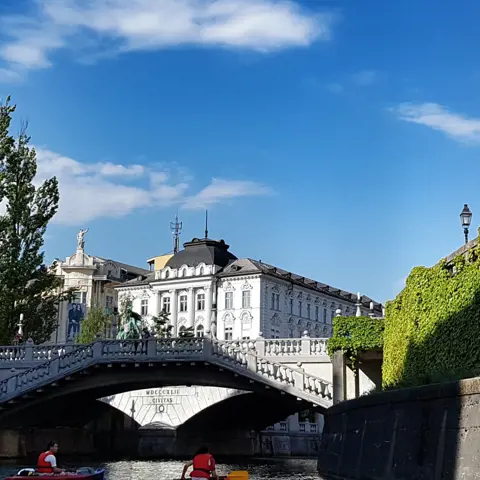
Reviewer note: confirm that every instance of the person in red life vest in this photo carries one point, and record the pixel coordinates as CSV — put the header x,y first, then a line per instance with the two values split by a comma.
x,y
203,465
47,462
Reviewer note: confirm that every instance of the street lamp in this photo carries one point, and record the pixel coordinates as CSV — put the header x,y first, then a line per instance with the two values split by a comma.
x,y
466,219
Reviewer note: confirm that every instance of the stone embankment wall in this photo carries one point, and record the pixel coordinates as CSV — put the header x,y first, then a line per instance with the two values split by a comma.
x,y
430,432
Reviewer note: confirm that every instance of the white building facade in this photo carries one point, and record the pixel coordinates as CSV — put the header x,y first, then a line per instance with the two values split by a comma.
x,y
93,280
206,287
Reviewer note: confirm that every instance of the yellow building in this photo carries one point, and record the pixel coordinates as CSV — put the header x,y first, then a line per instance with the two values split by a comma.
x,y
157,263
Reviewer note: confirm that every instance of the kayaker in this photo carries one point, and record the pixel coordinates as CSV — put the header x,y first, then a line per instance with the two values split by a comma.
x,y
47,462
203,465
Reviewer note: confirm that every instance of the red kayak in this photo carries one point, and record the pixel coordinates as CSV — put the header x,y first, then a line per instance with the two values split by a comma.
x,y
80,474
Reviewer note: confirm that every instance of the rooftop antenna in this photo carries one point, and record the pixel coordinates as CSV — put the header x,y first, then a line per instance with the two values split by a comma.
x,y
206,223
176,229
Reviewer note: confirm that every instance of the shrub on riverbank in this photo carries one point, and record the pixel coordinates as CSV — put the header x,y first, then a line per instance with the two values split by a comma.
x,y
353,335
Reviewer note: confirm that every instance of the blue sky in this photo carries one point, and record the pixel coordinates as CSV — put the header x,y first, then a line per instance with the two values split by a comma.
x,y
337,139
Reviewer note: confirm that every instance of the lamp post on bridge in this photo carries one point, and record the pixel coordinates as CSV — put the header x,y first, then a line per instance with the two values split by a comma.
x,y
466,220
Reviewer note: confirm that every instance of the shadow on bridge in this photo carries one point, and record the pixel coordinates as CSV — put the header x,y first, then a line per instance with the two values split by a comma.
x,y
75,391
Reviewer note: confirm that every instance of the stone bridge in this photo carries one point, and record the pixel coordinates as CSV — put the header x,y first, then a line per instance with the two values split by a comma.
x,y
297,371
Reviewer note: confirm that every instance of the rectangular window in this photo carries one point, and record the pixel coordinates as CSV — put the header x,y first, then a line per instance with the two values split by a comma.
x,y
80,297
228,300
144,307
201,301
166,304
299,308
291,306
246,299
228,332
273,301
324,315
275,333
308,310
317,313
277,302
183,303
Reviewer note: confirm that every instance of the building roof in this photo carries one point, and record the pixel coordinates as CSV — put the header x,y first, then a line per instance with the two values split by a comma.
x,y
213,252
202,250
247,266
129,268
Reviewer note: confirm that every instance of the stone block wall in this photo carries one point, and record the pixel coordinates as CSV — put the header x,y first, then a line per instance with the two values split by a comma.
x,y
430,432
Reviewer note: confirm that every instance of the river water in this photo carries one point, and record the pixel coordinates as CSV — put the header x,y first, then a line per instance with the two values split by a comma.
x,y
171,470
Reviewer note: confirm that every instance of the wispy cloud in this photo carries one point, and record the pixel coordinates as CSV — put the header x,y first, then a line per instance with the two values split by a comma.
x,y
94,28
455,125
365,78
220,190
90,191
335,87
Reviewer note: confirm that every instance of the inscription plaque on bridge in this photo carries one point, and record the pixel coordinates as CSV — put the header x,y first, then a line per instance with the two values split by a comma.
x,y
161,398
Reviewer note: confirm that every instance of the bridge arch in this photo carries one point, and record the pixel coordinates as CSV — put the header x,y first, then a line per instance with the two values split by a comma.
x,y
111,367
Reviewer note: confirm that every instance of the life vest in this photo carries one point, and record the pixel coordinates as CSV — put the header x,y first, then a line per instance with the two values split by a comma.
x,y
203,465
42,465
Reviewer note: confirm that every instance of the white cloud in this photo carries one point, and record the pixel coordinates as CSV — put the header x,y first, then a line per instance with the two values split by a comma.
x,y
91,191
365,78
433,115
335,87
9,76
90,26
220,190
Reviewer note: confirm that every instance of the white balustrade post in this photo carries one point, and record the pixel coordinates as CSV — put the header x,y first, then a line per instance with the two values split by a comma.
x,y
151,347
69,345
191,308
29,350
12,384
207,347
260,346
97,349
298,380
208,307
251,362
305,345
174,311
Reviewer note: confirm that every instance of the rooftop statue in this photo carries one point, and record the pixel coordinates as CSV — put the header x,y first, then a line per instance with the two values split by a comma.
x,y
81,239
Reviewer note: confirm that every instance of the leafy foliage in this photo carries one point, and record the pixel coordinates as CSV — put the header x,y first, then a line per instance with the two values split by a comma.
x,y
356,334
96,322
26,285
163,329
432,327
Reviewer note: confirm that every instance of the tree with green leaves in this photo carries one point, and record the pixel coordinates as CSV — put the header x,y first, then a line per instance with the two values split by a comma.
x,y
26,285
163,329
96,323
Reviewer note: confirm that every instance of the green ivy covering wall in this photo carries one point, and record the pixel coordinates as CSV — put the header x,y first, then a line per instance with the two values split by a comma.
x,y
432,328
355,334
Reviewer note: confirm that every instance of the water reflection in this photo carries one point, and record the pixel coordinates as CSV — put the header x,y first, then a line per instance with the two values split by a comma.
x,y
171,470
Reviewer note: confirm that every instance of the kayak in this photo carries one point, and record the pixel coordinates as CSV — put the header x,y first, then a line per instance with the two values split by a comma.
x,y
81,474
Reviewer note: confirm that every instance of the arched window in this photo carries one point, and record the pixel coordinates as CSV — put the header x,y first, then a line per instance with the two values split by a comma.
x,y
183,272
201,271
200,331
167,273
181,330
